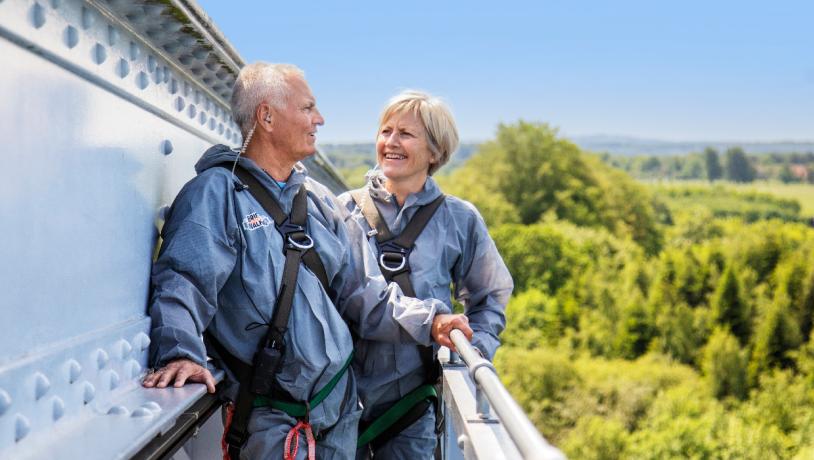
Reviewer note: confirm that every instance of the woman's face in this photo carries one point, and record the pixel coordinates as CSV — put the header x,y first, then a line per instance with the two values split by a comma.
x,y
402,149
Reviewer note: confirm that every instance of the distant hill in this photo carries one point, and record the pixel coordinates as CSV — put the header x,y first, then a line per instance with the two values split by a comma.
x,y
618,145
362,156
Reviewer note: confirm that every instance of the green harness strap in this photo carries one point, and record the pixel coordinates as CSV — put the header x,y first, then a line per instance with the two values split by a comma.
x,y
392,415
298,409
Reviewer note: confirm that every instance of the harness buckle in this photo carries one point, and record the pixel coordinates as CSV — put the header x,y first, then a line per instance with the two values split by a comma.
x,y
295,236
393,257
304,244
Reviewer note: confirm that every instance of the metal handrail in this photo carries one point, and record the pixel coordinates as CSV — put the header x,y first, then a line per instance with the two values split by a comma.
x,y
528,440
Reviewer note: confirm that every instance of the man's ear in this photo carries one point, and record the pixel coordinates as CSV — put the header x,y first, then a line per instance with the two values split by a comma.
x,y
264,116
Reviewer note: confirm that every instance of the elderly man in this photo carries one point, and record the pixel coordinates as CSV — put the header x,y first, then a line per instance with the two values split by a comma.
x,y
263,263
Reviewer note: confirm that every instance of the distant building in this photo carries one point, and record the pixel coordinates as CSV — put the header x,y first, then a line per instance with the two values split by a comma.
x,y
801,172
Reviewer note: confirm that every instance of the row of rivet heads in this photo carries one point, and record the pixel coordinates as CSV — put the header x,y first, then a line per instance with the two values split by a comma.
x,y
200,109
37,385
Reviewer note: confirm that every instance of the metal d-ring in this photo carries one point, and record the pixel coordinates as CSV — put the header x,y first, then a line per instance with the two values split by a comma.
x,y
391,269
308,245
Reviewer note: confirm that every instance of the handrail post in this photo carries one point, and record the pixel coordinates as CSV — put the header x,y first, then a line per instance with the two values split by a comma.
x,y
482,403
490,392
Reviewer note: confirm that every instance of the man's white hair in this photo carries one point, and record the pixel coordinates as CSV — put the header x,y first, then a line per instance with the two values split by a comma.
x,y
257,83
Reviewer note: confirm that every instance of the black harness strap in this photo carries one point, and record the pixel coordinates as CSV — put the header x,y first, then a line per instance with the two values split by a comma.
x,y
270,205
394,253
259,378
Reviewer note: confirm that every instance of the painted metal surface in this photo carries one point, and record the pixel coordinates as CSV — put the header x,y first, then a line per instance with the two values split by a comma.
x,y
100,128
107,104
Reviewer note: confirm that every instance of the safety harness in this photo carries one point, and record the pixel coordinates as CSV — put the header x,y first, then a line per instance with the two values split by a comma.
x,y
257,382
394,252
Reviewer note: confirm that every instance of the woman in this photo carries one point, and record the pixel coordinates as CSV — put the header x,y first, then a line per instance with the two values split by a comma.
x,y
425,242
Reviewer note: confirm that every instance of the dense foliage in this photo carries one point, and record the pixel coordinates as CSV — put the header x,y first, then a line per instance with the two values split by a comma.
x,y
529,175
647,323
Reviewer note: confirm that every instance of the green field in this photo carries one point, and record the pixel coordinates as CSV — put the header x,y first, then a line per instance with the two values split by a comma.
x,y
803,193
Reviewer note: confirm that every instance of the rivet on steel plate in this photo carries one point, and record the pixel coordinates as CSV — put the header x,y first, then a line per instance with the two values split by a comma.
x,y
166,149
114,380
133,369
70,36
112,35
118,410
58,409
41,385
123,68
99,53
5,402
74,370
88,392
101,358
142,80
124,348
142,340
87,18
134,51
141,412
200,53
152,406
21,427
37,15
154,10
463,440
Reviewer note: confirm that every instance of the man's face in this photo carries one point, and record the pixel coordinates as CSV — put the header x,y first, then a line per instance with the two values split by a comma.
x,y
294,127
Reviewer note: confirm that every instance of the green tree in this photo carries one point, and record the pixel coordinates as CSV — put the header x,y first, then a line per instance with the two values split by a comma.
x,y
596,438
786,175
538,256
651,166
713,164
729,308
534,318
738,167
724,365
777,334
635,329
529,173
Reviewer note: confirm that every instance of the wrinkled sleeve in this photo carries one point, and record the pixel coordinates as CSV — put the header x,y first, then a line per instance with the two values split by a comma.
x,y
483,285
194,263
374,309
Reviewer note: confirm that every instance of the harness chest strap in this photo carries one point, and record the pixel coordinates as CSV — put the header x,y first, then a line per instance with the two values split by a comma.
x,y
270,205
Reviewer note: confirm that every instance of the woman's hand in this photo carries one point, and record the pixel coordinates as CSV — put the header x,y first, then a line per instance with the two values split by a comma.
x,y
442,325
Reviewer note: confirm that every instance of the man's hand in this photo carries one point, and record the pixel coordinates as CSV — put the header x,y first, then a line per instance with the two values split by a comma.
x,y
180,371
442,325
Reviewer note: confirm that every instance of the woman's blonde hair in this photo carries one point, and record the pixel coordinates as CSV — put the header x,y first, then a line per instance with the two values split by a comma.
x,y
439,124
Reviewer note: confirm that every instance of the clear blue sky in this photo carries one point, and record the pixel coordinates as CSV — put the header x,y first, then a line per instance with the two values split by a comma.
x,y
688,70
